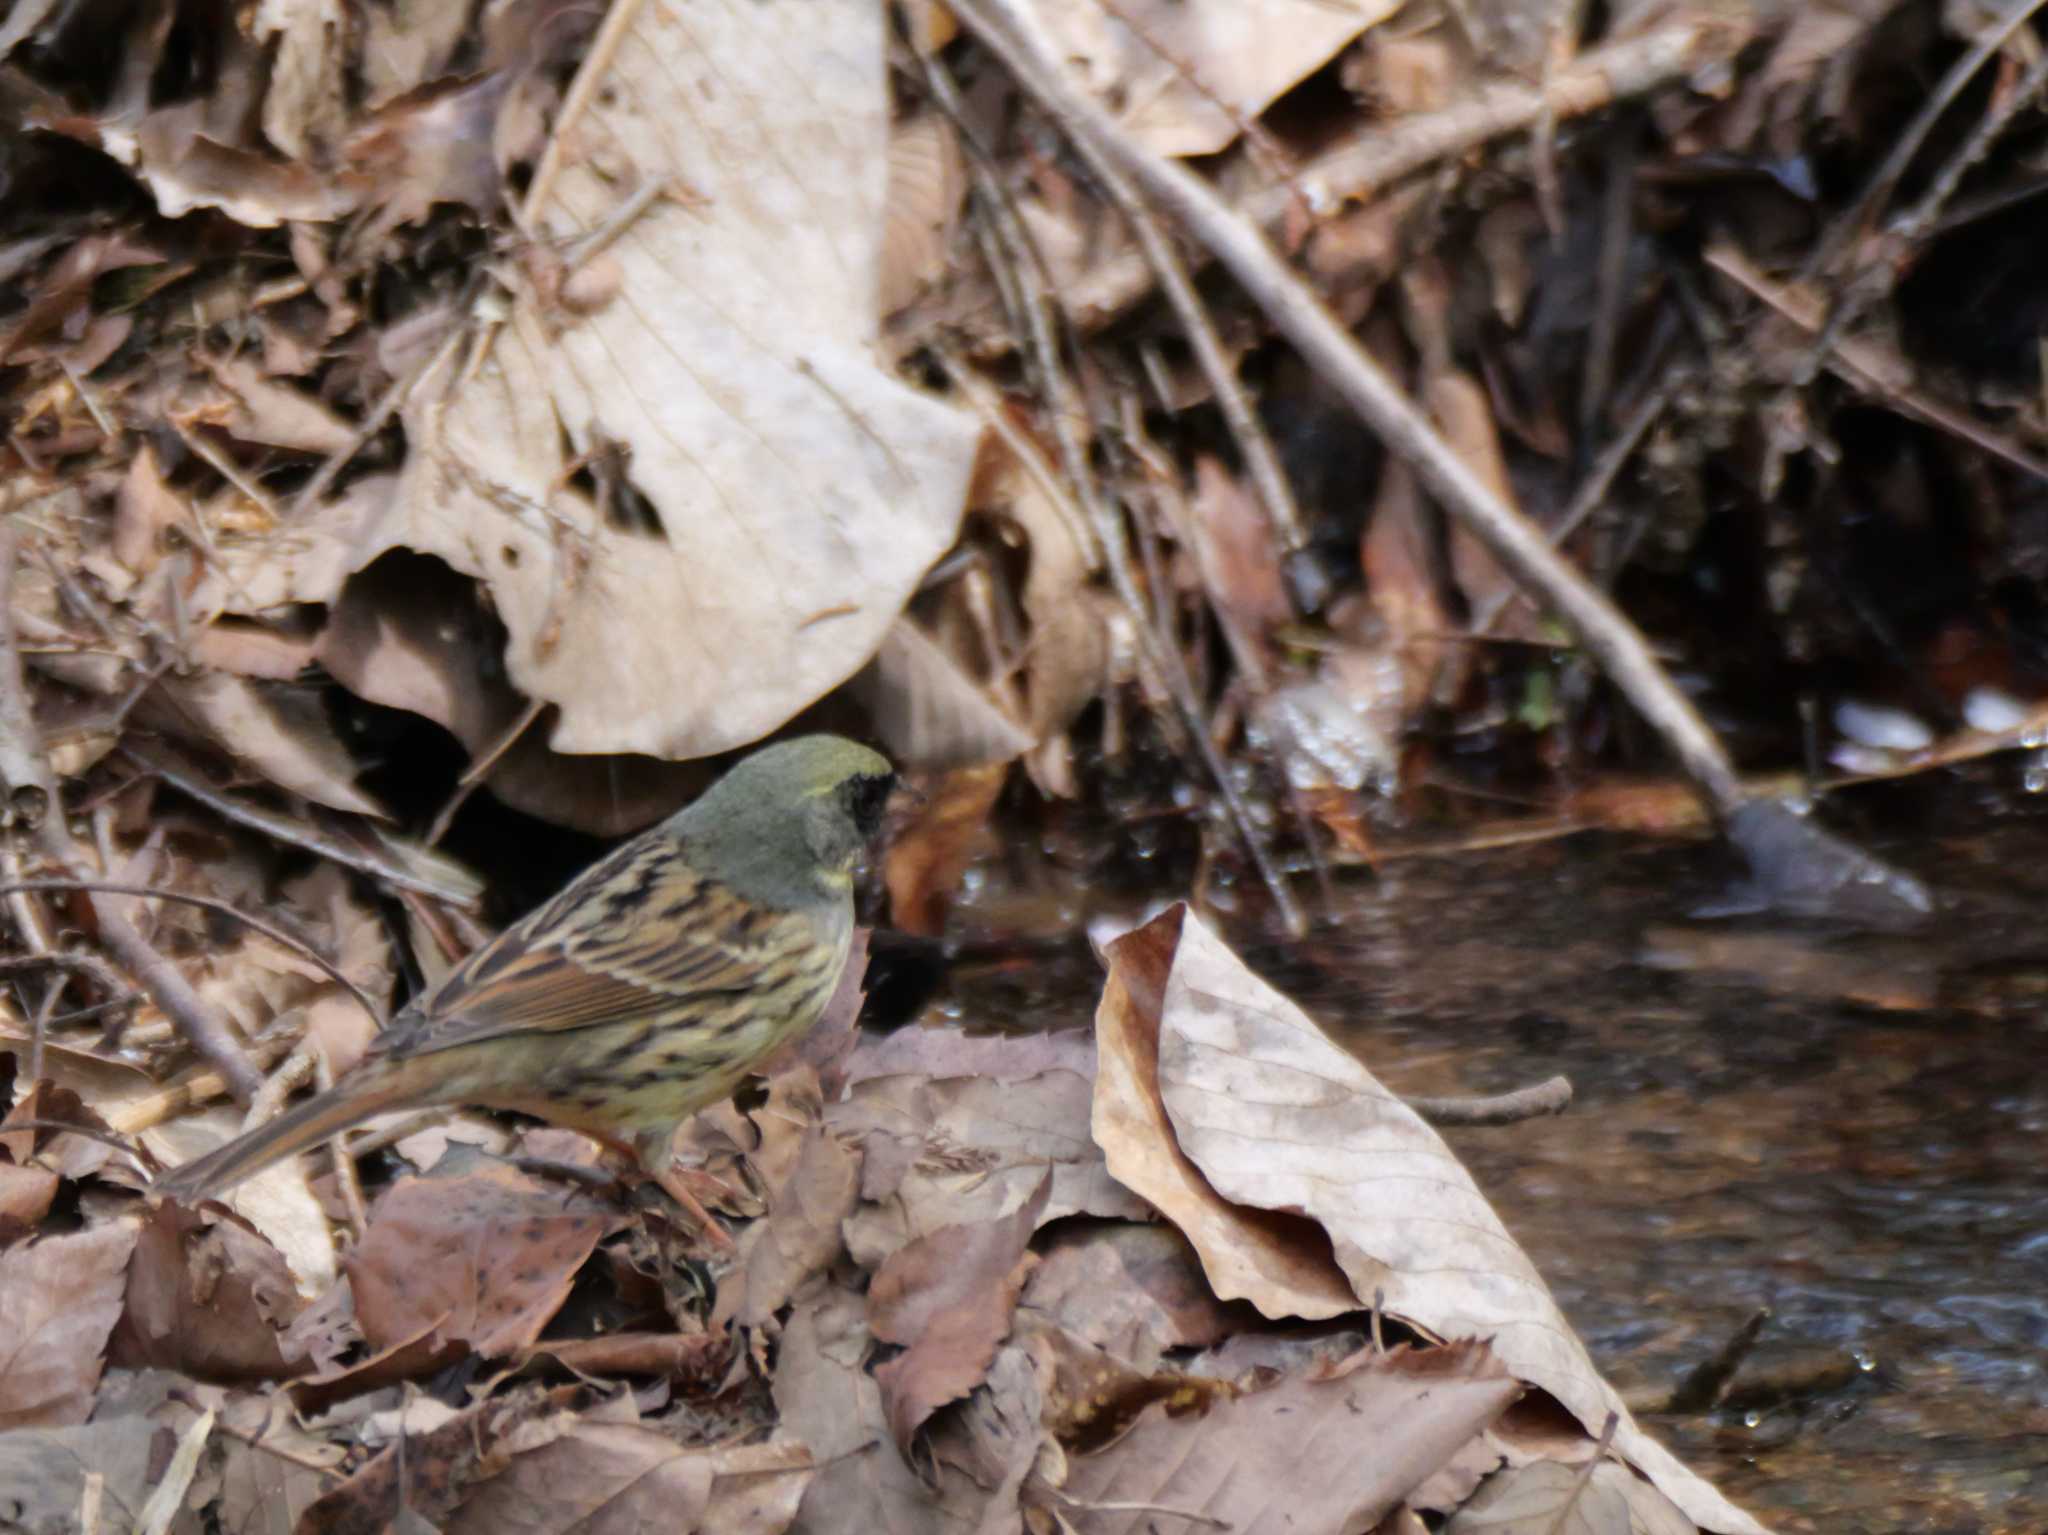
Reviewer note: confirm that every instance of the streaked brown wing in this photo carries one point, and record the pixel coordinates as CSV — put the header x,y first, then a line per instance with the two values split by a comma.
x,y
635,935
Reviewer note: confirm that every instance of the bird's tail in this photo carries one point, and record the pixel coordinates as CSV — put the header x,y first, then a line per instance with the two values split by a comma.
x,y
320,1118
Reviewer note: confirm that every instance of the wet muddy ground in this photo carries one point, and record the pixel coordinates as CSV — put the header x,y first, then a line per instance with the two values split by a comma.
x,y
1849,1130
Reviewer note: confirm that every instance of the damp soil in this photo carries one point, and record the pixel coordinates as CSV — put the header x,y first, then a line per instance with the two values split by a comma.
x,y
1847,1130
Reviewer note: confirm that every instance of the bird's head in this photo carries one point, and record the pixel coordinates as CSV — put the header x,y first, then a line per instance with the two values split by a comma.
x,y
794,816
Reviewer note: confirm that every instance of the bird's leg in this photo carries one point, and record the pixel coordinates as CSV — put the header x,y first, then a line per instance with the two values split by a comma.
x,y
658,1158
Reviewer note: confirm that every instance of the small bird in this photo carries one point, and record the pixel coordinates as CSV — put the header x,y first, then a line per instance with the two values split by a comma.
x,y
645,991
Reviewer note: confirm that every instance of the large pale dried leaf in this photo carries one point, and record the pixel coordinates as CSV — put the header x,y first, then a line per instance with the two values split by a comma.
x,y
1277,1118
948,1298
59,1298
411,634
800,492
1167,64
482,1253
1306,1454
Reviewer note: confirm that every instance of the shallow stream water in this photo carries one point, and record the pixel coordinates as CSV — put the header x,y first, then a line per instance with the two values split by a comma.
x,y
1850,1130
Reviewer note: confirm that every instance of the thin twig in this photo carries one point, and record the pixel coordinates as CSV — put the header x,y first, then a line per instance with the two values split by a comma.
x,y
1852,225
1012,32
1880,374
480,769
1261,459
1540,1101
1064,409
1366,166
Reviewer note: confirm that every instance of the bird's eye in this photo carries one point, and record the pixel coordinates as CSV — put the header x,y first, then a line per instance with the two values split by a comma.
x,y
867,797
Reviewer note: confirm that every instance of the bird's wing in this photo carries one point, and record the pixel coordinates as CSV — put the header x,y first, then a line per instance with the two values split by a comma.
x,y
637,935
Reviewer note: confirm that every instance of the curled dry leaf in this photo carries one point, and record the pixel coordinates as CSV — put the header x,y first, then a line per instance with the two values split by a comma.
x,y
1261,1119
279,732
59,1298
800,1236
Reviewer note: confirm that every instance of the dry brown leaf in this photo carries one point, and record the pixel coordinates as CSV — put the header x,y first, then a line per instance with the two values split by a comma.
x,y
947,1298
1236,551
800,1236
1545,1498
253,407
1275,1117
1458,404
59,1298
1289,1458
280,732
431,1472
1165,80
207,1298
1132,1291
925,860
927,186
829,1403
267,1484
595,1478
144,510
480,1253
972,1149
